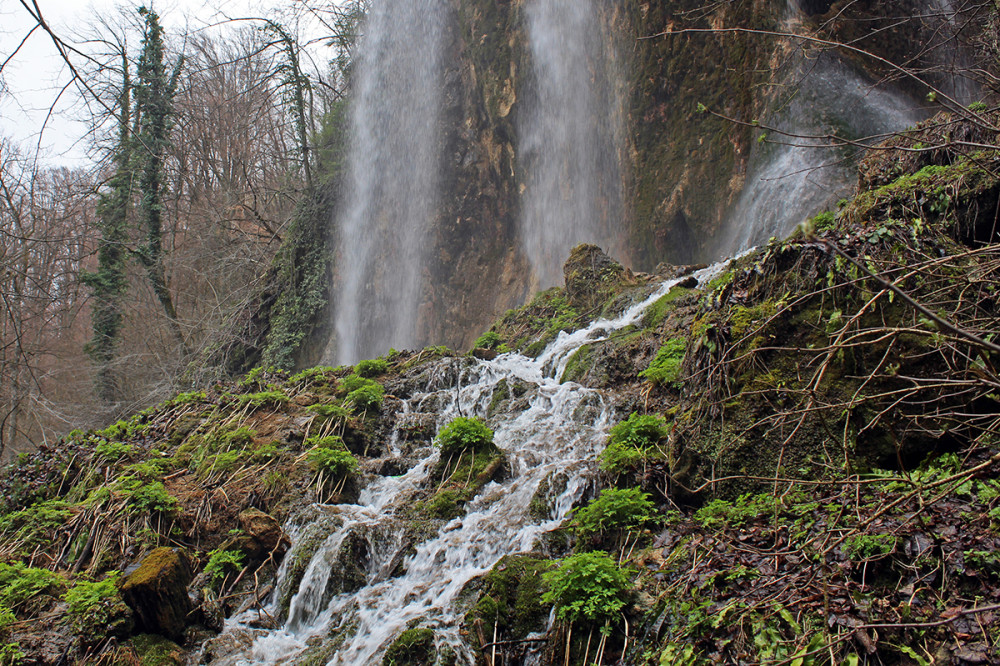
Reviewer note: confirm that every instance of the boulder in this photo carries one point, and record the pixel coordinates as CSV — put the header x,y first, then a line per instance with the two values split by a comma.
x,y
263,535
156,589
592,277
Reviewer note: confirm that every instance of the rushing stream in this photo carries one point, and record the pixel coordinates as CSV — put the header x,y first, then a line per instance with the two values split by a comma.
x,y
554,432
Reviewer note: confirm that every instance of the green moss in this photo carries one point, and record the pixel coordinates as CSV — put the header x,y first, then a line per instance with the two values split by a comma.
x,y
372,367
578,365
156,650
413,647
743,319
510,599
663,306
666,367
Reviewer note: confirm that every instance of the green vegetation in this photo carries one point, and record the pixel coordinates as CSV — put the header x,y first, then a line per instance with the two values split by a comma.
x,y
95,608
632,441
720,512
614,511
19,583
367,397
222,564
371,368
666,367
335,463
463,434
511,598
413,647
587,586
488,340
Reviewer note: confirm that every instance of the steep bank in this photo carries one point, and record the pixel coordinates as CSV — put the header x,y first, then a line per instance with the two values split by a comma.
x,y
799,464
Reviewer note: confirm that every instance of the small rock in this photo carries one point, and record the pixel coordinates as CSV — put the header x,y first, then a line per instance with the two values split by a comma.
x,y
264,535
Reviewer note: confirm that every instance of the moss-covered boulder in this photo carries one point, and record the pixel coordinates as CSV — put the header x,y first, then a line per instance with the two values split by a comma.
x,y
510,600
157,591
593,277
413,647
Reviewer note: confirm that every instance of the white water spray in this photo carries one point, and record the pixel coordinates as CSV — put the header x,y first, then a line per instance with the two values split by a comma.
x,y
570,136
392,188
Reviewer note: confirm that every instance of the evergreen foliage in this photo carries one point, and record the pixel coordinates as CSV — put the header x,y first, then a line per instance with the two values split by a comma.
x,y
463,434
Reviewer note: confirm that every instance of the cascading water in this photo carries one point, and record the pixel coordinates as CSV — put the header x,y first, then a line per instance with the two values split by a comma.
x,y
554,431
392,187
790,176
570,136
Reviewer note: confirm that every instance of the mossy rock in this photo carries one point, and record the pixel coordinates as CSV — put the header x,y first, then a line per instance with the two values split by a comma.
x,y
413,647
154,650
510,600
157,591
592,277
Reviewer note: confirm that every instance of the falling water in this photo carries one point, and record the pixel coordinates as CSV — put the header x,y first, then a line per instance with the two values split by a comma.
x,y
554,431
792,176
570,135
392,187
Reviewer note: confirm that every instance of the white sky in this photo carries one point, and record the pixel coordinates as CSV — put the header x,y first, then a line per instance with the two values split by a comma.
x,y
36,74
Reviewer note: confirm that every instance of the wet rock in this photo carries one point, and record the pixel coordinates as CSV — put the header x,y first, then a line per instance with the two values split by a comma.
x,y
156,590
263,535
592,277
413,647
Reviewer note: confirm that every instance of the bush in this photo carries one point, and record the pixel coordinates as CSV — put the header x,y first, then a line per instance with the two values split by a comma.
x,y
354,382
462,434
96,609
222,563
371,368
335,462
587,586
19,582
488,340
631,442
615,510
367,397
666,367
146,497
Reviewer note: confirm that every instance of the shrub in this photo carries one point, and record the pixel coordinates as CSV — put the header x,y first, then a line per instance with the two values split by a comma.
x,y
615,510
222,563
95,608
371,368
666,367
354,382
124,429
462,434
631,442
19,582
367,397
335,462
587,586
488,340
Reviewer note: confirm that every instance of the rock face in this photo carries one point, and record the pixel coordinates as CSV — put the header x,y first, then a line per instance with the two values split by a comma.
x,y
157,591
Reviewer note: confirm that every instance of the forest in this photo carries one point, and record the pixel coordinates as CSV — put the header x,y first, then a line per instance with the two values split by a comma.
x,y
537,332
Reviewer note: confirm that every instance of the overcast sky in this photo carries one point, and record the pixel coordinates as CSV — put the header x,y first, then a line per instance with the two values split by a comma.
x,y
34,77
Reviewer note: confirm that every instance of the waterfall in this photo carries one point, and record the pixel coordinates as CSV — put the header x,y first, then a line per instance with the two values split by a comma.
x,y
570,133
554,432
791,176
392,186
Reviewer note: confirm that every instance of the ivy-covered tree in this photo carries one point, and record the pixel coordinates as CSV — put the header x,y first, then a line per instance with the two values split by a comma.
x,y
154,93
109,281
